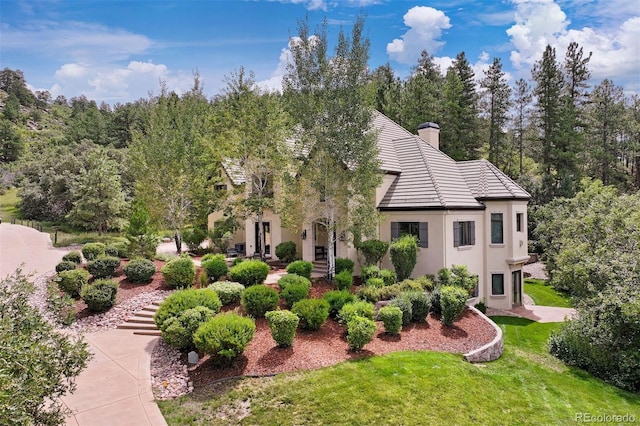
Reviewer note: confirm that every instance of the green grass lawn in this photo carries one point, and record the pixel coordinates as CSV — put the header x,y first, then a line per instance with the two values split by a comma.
x,y
544,294
525,386
9,205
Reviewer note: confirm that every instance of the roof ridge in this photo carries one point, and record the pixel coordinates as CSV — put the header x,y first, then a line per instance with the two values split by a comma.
x,y
501,177
400,128
436,186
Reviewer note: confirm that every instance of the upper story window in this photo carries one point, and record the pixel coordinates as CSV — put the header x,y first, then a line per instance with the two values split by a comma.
x,y
464,233
418,229
519,222
220,187
497,229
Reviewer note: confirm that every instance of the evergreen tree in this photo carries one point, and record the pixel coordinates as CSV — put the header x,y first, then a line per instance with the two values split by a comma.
x,y
386,91
422,95
11,144
497,97
521,101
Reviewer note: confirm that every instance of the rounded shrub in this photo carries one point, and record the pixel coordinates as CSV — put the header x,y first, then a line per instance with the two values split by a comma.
x,y
288,279
66,265
404,255
259,299
426,282
101,295
103,266
388,276
71,282
225,336
420,305
295,292
210,256
301,267
215,268
405,306
236,261
368,272
193,237
436,308
391,317
312,313
73,256
91,251
179,272
286,251
410,285
119,249
359,308
375,282
111,250
343,280
344,264
228,291
373,251
249,272
376,294
360,331
283,325
452,301
181,300
178,331
139,270
337,299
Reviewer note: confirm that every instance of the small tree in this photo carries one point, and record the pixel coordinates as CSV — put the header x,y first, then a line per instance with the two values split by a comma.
x,y
140,232
404,256
373,251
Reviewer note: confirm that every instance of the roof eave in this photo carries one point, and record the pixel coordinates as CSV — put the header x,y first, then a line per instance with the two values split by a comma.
x,y
430,208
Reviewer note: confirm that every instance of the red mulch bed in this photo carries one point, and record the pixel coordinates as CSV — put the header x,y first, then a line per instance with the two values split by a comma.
x,y
328,346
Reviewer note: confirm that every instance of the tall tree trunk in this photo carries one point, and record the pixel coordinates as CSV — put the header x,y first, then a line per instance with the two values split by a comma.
x,y
331,255
261,238
177,238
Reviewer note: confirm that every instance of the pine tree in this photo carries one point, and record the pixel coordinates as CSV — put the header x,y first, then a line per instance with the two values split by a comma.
x,y
386,91
497,97
521,101
422,95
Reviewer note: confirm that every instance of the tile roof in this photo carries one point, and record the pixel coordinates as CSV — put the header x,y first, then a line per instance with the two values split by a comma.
x,y
234,171
487,182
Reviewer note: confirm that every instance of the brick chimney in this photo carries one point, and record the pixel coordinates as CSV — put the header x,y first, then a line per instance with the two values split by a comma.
x,y
430,133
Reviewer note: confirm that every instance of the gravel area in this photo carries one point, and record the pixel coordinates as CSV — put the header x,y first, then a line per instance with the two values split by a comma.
x,y
169,375
536,270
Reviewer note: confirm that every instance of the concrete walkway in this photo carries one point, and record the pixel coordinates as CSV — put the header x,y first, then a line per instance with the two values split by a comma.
x,y
544,313
115,388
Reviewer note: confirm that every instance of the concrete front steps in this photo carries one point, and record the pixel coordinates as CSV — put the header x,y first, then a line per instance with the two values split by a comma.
x,y
319,268
142,321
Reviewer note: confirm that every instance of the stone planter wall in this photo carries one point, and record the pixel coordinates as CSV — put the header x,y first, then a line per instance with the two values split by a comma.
x,y
492,350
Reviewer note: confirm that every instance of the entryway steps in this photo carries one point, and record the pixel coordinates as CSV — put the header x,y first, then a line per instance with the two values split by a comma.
x,y
142,321
319,267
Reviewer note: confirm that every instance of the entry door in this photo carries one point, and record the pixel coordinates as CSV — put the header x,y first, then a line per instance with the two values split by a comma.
x,y
266,227
516,285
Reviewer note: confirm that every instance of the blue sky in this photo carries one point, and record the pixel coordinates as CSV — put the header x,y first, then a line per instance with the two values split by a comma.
x,y
118,51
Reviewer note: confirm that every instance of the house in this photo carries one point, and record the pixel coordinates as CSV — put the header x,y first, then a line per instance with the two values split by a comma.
x,y
463,213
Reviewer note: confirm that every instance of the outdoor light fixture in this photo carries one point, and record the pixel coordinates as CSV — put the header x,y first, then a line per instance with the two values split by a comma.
x,y
304,234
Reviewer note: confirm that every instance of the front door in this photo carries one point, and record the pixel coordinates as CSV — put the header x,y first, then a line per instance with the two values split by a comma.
x,y
266,227
516,286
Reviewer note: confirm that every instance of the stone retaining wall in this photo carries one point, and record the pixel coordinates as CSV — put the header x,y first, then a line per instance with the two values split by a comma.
x,y
492,350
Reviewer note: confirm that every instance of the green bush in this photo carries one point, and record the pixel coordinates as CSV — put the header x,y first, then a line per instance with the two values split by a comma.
x,y
139,270
225,336
452,300
405,306
73,256
236,261
286,251
375,282
344,264
259,299
120,249
425,282
283,325
181,300
103,266
481,306
373,251
101,295
211,256
193,237
292,293
144,245
66,265
71,282
111,250
337,299
410,285
376,294
215,268
404,255
229,292
368,272
391,317
288,279
436,307
360,331
91,251
388,276
343,280
178,331
457,276
249,272
61,305
312,313
359,308
179,272
300,267
420,304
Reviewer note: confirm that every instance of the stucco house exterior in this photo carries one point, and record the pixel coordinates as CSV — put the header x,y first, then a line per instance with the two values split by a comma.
x,y
463,213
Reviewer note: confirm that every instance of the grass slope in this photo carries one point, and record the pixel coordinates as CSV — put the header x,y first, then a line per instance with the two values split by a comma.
x,y
9,205
525,386
544,294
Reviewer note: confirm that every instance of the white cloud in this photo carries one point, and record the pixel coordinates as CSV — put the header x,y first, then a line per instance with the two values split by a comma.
x,y
71,71
425,29
616,50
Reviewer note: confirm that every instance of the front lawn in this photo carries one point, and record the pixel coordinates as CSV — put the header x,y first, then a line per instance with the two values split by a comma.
x,y
544,294
525,386
9,205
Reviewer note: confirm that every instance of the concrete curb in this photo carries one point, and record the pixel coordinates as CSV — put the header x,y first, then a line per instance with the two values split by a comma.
x,y
492,350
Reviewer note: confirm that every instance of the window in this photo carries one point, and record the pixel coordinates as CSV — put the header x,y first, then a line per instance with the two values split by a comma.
x,y
519,222
419,229
496,228
464,233
220,187
497,284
